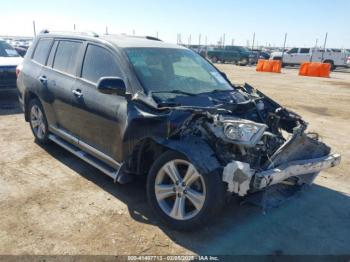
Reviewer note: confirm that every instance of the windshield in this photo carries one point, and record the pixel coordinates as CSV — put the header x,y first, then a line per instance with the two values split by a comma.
x,y
7,51
167,69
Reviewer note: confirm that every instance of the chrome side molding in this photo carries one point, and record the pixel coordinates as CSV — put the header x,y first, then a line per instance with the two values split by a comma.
x,y
85,147
109,171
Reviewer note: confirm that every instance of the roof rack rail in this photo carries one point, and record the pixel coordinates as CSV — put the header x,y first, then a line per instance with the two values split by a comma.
x,y
137,36
87,33
152,38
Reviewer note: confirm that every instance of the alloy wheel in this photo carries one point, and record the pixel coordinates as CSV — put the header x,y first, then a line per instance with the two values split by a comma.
x,y
180,189
37,122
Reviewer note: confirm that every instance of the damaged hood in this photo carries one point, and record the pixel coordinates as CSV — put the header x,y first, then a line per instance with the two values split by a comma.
x,y
213,99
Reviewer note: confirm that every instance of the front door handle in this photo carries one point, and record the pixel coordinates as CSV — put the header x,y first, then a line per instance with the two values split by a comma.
x,y
43,80
77,93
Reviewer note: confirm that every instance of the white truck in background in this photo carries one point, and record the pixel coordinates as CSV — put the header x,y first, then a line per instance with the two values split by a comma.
x,y
297,56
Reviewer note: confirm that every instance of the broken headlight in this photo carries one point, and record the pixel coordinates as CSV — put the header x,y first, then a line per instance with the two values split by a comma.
x,y
243,132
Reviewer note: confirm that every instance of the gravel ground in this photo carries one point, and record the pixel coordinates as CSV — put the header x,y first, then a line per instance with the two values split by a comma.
x,y
53,203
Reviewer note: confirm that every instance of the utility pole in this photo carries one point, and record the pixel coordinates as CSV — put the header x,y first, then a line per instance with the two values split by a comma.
x,y
223,40
324,46
284,46
74,27
199,39
312,50
233,41
106,30
253,40
34,28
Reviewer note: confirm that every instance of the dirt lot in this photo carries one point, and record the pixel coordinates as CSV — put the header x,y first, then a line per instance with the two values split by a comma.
x,y
53,203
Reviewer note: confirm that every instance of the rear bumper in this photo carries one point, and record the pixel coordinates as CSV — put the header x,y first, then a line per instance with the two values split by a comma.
x,y
7,78
294,169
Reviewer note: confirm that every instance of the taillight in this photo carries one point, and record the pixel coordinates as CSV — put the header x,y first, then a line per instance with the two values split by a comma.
x,y
18,69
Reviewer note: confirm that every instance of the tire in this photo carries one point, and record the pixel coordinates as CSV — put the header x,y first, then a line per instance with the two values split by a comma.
x,y
38,121
243,62
214,59
331,63
206,189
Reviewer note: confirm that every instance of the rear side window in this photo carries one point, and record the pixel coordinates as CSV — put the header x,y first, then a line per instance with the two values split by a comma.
x,y
52,54
99,62
304,50
42,50
66,56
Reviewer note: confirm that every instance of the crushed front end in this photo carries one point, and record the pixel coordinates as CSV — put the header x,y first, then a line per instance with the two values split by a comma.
x,y
258,143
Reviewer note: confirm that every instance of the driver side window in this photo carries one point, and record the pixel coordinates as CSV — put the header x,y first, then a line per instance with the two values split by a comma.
x,y
293,51
99,62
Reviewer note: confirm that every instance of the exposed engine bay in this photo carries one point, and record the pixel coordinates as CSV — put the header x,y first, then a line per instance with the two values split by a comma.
x,y
253,136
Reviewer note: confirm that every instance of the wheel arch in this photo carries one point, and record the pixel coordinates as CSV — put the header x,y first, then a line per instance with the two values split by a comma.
x,y
328,61
29,95
196,150
331,62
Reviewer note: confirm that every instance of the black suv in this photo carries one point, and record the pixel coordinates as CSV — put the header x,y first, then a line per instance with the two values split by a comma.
x,y
134,106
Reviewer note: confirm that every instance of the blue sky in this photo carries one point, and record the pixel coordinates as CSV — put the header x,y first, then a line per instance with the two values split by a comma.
x,y
305,21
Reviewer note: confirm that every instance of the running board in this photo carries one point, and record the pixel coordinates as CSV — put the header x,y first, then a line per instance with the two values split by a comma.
x,y
109,171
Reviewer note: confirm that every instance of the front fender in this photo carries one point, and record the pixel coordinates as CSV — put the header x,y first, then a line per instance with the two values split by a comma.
x,y
196,150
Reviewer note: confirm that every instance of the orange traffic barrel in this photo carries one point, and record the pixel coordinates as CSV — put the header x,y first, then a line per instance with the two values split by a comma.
x,y
315,69
273,66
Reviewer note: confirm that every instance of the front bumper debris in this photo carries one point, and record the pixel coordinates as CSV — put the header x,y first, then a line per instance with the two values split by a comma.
x,y
293,169
302,156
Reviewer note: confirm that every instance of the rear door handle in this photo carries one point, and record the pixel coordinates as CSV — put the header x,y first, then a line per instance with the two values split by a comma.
x,y
77,93
43,80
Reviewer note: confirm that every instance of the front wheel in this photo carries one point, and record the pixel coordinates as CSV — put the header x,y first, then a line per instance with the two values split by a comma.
x,y
179,195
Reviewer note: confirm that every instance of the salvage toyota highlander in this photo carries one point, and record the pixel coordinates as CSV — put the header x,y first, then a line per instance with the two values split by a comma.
x,y
134,106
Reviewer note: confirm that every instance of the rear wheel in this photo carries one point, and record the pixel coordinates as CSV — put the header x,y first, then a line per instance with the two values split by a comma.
x,y
331,63
243,62
214,59
179,195
38,122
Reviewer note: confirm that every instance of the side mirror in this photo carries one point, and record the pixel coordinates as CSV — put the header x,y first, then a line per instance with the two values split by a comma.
x,y
111,85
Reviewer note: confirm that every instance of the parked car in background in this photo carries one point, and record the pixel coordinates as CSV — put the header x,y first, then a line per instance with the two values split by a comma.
x,y
21,51
255,55
9,60
200,49
132,106
297,56
231,54
347,51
